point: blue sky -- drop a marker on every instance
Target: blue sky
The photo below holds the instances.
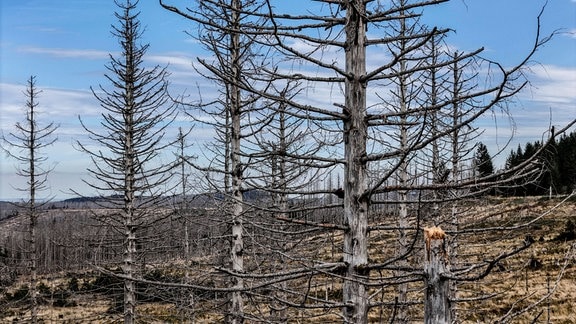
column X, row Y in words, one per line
column 65, row 43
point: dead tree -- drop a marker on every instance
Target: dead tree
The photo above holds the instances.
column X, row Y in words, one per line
column 126, row 173
column 234, row 116
column 436, row 266
column 26, row 145
column 184, row 215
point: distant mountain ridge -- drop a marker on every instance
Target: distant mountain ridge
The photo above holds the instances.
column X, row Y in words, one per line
column 10, row 209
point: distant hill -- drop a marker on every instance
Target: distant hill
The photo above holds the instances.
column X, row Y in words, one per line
column 8, row 210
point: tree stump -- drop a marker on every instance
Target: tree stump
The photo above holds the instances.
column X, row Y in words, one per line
column 436, row 265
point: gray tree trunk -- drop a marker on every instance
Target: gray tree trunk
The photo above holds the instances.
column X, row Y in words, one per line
column 32, row 207
column 437, row 308
column 456, row 172
column 279, row 177
column 130, row 252
column 129, row 205
column 403, row 174
column 356, row 177
column 403, row 221
column 184, row 213
column 236, row 250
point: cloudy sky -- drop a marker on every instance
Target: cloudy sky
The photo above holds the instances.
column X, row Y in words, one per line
column 66, row 43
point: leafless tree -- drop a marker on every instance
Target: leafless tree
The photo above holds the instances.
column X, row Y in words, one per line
column 26, row 145
column 234, row 116
column 183, row 201
column 126, row 170
column 184, row 215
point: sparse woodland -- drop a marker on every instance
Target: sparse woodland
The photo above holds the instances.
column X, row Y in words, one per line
column 380, row 206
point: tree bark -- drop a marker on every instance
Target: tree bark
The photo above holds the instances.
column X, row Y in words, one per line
column 237, row 247
column 129, row 176
column 356, row 178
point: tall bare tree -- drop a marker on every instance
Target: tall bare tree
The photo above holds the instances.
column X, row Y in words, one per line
column 126, row 170
column 26, row 145
column 234, row 115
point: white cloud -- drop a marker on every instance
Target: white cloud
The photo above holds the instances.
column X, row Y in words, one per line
column 90, row 54
column 549, row 100
column 172, row 59
column 552, row 89
column 58, row 105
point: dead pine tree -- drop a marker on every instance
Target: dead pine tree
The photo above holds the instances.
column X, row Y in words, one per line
column 234, row 117
column 127, row 175
column 184, row 215
column 25, row 145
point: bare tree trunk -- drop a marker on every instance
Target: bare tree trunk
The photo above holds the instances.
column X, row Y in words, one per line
column 129, row 201
column 279, row 182
column 129, row 287
column 184, row 200
column 237, row 305
column 437, row 308
column 32, row 209
column 403, row 221
column 456, row 171
column 184, row 214
column 356, row 177
column 33, row 290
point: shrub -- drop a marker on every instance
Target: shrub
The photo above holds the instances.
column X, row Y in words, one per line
column 19, row 295
column 106, row 284
column 61, row 297
column 569, row 232
column 73, row 284
column 43, row 289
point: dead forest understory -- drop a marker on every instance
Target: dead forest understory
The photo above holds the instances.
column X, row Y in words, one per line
column 77, row 267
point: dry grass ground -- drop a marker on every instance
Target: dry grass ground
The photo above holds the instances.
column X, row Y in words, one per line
column 540, row 280
column 538, row 283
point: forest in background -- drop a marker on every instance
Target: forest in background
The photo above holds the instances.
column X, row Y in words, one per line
column 558, row 174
